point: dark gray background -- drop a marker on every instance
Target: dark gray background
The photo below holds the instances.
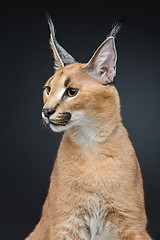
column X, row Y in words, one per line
column 28, row 149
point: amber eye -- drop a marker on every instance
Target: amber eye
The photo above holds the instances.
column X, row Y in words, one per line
column 48, row 89
column 71, row 92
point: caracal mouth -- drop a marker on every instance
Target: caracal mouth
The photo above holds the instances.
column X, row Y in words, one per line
column 57, row 124
column 60, row 127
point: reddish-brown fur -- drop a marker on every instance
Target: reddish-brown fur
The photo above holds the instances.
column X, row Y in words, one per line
column 96, row 189
column 92, row 174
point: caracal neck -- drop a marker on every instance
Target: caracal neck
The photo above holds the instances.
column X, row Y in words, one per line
column 89, row 141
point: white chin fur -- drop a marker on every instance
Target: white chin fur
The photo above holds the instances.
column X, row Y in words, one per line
column 60, row 128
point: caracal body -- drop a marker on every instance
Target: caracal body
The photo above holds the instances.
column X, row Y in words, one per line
column 96, row 190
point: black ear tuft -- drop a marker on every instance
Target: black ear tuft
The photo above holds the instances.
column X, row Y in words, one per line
column 117, row 27
column 51, row 26
column 62, row 57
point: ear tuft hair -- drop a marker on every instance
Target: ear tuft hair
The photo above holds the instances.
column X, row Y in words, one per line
column 117, row 27
column 51, row 26
column 62, row 57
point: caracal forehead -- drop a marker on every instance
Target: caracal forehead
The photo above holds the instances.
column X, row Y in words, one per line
column 72, row 72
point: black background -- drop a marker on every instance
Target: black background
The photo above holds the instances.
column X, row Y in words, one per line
column 27, row 148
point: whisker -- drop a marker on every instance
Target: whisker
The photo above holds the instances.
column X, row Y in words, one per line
column 43, row 124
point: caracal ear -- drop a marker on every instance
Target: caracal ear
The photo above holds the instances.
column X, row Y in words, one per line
column 102, row 65
column 61, row 56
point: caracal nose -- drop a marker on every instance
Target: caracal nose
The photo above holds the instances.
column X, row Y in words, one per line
column 48, row 111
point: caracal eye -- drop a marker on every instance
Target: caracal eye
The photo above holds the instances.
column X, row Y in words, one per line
column 48, row 89
column 71, row 92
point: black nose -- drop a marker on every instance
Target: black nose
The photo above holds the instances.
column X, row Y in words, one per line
column 48, row 111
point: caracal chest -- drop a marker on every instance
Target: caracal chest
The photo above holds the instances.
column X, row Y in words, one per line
column 94, row 223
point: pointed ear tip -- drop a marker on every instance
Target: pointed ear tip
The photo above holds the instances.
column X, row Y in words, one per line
column 47, row 15
column 50, row 23
column 112, row 38
column 49, row 19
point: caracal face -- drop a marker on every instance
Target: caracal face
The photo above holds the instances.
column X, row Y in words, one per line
column 72, row 98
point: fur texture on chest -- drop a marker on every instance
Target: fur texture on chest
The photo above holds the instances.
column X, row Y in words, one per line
column 94, row 222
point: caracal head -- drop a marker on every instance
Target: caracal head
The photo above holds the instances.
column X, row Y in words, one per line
column 82, row 96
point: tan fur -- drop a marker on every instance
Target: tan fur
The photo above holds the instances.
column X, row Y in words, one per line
column 96, row 184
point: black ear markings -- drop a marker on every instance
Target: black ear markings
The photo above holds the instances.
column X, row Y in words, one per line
column 61, row 56
column 117, row 26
